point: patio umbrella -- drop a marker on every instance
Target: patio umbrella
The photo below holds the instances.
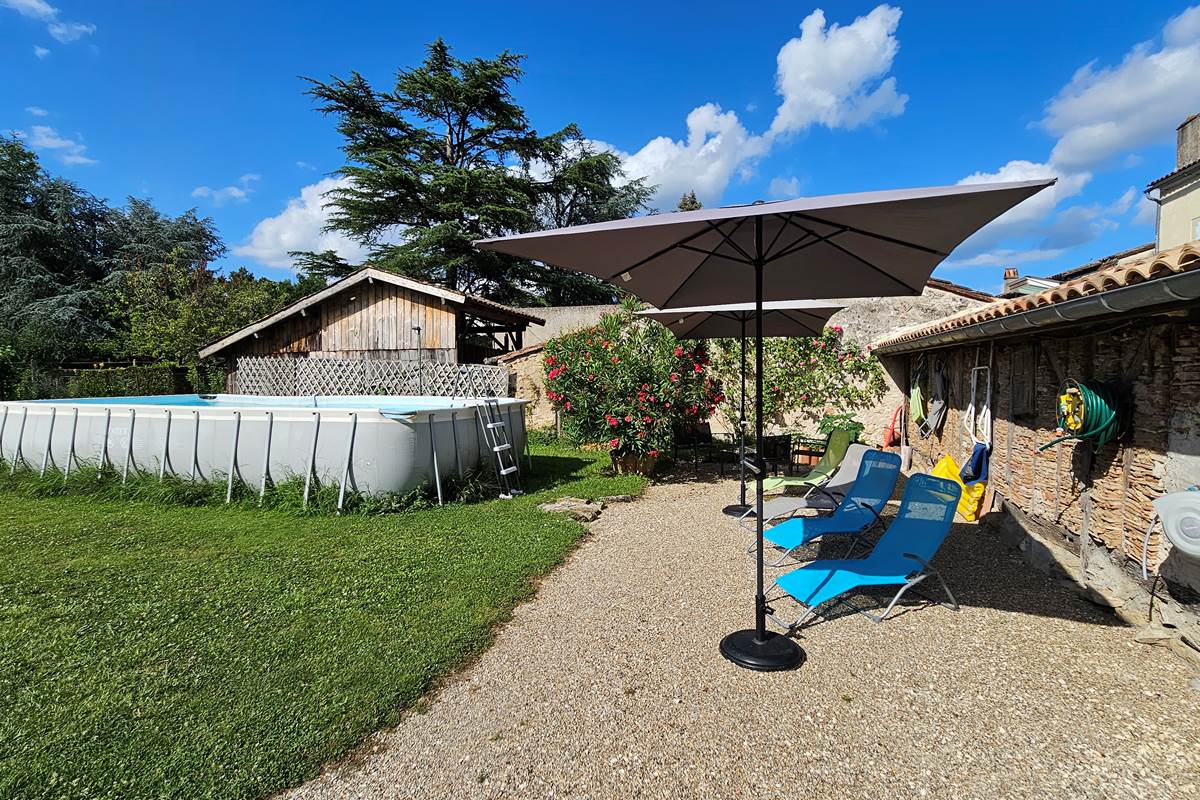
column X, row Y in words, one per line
column 850, row 245
column 793, row 318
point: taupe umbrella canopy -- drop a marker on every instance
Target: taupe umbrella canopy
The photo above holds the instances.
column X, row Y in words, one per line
column 850, row 245
column 729, row 321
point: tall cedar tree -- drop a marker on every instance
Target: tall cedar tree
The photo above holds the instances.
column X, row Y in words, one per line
column 448, row 157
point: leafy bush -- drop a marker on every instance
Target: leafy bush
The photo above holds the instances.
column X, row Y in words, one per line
column 846, row 422
column 126, row 381
column 628, row 382
column 803, row 374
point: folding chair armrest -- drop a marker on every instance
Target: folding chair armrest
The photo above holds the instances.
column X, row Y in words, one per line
column 924, row 564
column 874, row 513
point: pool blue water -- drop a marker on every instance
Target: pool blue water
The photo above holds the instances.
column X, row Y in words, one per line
column 393, row 404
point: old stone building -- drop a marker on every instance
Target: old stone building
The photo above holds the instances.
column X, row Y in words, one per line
column 1135, row 326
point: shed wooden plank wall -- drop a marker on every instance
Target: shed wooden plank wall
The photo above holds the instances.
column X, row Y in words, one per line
column 374, row 320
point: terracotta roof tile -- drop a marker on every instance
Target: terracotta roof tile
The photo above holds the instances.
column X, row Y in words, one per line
column 1158, row 265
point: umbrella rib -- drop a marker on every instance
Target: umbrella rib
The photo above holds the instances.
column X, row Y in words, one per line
column 695, row 325
column 871, row 234
column 802, row 242
column 731, row 242
column 828, row 239
column 710, row 253
column 663, row 251
column 683, row 282
column 778, row 233
column 867, row 263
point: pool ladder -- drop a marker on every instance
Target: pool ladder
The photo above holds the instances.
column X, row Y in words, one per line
column 495, row 429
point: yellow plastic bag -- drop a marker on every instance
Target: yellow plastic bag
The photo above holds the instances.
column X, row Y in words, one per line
column 972, row 496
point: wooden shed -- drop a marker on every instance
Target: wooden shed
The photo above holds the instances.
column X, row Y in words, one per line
column 373, row 314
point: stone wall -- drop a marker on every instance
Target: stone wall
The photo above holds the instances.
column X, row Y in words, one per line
column 1098, row 503
column 530, row 384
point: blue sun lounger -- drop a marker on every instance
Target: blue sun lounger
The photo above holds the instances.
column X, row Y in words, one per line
column 856, row 513
column 900, row 558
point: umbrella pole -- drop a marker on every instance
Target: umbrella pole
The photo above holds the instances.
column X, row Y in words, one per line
column 757, row 648
column 739, row 508
column 742, row 416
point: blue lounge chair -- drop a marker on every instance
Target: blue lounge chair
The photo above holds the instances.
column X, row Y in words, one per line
column 900, row 558
column 858, row 510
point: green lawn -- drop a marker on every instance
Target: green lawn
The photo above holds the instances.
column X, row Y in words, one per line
column 153, row 650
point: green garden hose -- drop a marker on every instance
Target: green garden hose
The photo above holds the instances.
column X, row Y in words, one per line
column 1086, row 411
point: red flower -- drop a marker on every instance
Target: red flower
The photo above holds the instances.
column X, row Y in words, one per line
column 697, row 368
column 615, row 359
column 614, row 443
column 611, row 420
column 652, row 453
column 678, row 351
column 645, row 386
column 567, row 405
column 550, row 360
column 628, row 418
column 674, row 377
column 645, row 419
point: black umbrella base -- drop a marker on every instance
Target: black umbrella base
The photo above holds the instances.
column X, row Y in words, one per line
column 737, row 510
column 772, row 653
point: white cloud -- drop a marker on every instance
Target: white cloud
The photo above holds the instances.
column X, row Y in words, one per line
column 70, row 151
column 1006, row 257
column 64, row 31
column 1031, row 215
column 36, row 111
column 67, row 32
column 305, row 165
column 34, row 9
column 1146, row 214
column 239, row 192
column 1103, row 112
column 716, row 146
column 835, row 76
column 299, row 227
column 782, row 188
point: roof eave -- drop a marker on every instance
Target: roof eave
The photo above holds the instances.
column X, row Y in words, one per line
column 1153, row 296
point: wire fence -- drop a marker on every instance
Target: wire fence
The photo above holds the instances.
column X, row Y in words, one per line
column 272, row 375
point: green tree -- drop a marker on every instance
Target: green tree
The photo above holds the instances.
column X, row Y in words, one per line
column 689, row 202
column 176, row 307
column 325, row 266
column 447, row 157
column 578, row 184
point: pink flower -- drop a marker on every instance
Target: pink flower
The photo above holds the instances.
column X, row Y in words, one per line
column 567, row 405
column 678, row 351
column 652, row 453
column 698, row 368
column 628, row 418
column 613, row 443
column 674, row 377
column 645, row 419
column 615, row 359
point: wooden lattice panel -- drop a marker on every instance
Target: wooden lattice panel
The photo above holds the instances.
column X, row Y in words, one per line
column 271, row 375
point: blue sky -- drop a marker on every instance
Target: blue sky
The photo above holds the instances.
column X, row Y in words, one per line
column 202, row 105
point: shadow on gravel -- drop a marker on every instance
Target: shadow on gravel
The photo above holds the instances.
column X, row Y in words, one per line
column 980, row 569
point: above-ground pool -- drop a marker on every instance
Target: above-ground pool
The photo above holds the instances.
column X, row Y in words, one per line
column 362, row 443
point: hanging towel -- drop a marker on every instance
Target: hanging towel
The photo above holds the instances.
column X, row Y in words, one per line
column 937, row 406
column 976, row 468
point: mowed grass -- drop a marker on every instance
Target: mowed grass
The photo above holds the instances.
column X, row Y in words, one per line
column 151, row 650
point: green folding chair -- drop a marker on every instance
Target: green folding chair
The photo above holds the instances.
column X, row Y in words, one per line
column 835, row 450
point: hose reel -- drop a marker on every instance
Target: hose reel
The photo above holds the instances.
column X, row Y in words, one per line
column 1087, row 410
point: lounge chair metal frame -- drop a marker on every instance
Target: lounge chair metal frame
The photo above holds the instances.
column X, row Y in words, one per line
column 914, row 580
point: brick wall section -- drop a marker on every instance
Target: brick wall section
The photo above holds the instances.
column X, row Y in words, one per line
column 1162, row 362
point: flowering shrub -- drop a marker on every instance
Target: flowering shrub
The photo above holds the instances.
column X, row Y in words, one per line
column 810, row 375
column 628, row 383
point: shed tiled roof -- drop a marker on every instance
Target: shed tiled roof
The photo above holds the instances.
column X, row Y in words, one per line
column 1158, row 265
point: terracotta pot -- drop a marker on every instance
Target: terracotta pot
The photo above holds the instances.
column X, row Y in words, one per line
column 634, row 463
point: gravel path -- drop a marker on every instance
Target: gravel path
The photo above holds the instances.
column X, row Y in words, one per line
column 608, row 684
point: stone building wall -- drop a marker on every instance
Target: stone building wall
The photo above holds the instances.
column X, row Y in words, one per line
column 1096, row 504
